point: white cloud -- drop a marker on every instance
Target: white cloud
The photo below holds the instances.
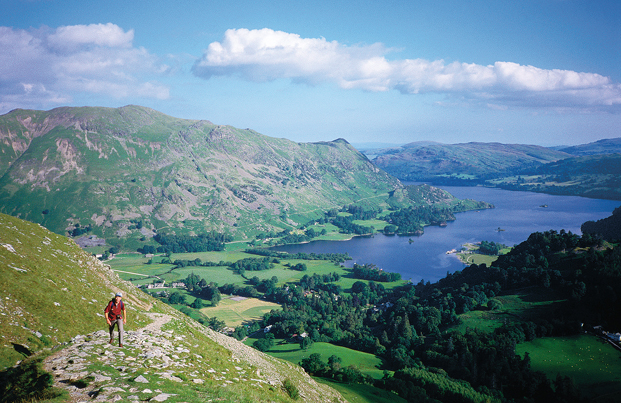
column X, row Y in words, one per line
column 107, row 35
column 265, row 55
column 49, row 66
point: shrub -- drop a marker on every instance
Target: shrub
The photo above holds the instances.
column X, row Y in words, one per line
column 291, row 389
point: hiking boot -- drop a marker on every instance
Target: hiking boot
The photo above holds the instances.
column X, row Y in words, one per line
column 110, row 342
column 120, row 345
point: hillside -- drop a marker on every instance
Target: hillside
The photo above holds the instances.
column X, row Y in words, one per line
column 609, row 228
column 130, row 171
column 430, row 160
column 52, row 312
column 596, row 176
column 604, row 146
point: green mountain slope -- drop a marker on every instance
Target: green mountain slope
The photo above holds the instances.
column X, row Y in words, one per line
column 596, row 176
column 133, row 170
column 53, row 296
column 429, row 160
column 604, row 146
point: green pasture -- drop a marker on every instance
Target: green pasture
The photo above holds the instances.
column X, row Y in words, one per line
column 528, row 303
column 476, row 258
column 134, row 267
column 218, row 274
column 357, row 393
column 377, row 224
column 368, row 364
column 129, row 261
column 593, row 364
column 472, row 257
column 238, row 312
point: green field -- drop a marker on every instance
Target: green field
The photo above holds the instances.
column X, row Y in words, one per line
column 526, row 304
column 357, row 393
column 593, row 364
column 471, row 256
column 368, row 364
column 236, row 312
column 476, row 258
column 134, row 267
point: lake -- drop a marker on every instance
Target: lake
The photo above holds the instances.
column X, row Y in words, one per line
column 518, row 213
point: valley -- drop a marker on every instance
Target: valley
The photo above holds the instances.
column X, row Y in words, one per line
column 241, row 241
column 529, row 305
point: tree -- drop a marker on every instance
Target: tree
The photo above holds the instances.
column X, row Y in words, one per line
column 265, row 343
column 176, row 298
column 313, row 364
column 306, row 343
column 215, row 297
column 390, row 229
column 198, row 303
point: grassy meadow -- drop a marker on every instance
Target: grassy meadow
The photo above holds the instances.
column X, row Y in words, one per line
column 593, row 364
column 357, row 393
column 134, row 267
column 368, row 364
column 528, row 303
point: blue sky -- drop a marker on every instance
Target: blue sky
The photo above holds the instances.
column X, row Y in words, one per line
column 542, row 72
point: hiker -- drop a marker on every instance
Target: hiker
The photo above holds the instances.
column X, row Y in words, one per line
column 115, row 314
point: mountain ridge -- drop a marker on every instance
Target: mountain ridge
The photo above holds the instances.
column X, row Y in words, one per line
column 427, row 159
column 106, row 167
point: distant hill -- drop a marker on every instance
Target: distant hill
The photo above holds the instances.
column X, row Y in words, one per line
column 430, row 160
column 604, row 146
column 595, row 176
column 51, row 311
column 127, row 172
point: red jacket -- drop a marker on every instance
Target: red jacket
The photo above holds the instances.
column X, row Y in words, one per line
column 114, row 311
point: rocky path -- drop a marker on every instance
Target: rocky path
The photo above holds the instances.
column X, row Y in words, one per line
column 69, row 365
column 154, row 364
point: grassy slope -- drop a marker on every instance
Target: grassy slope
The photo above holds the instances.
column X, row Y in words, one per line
column 52, row 287
column 592, row 363
column 595, row 176
column 53, row 291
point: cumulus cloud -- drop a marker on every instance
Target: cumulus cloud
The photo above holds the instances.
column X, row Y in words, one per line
column 48, row 66
column 265, row 55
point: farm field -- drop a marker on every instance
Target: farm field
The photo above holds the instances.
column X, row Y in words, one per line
column 237, row 311
column 134, row 267
column 368, row 364
column 593, row 364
